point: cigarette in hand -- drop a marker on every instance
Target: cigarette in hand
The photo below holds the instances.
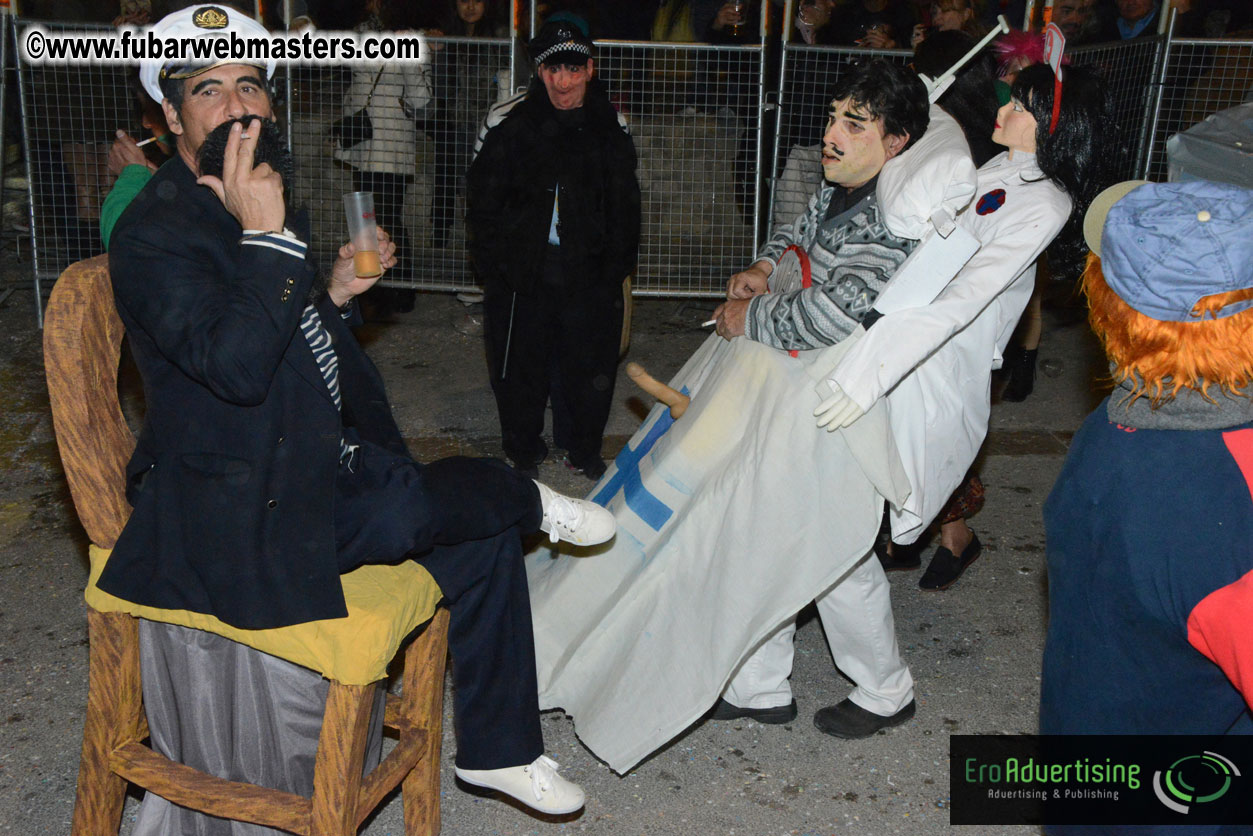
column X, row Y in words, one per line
column 710, row 322
column 144, row 142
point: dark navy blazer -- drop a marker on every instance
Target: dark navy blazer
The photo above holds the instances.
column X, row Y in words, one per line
column 233, row 478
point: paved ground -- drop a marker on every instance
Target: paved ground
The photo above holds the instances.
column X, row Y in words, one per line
column 974, row 650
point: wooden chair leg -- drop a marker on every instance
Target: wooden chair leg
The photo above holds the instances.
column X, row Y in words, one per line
column 341, row 753
column 114, row 716
column 423, row 705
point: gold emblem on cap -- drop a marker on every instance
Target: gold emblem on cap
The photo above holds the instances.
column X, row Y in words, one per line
column 1203, row 216
column 210, row 17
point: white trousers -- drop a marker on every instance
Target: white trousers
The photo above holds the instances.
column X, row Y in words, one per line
column 857, row 617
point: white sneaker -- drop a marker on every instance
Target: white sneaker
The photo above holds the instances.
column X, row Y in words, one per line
column 576, row 521
column 537, row 785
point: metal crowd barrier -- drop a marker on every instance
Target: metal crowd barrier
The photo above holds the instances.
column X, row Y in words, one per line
column 695, row 114
column 414, row 164
column 1128, row 69
column 1200, row 77
column 693, row 109
column 69, row 116
column 700, row 115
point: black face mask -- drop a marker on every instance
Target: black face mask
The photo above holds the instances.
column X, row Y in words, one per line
column 271, row 148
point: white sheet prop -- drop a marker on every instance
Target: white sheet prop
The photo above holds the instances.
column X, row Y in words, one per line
column 729, row 520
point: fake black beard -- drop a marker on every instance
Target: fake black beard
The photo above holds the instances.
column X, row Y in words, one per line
column 271, row 149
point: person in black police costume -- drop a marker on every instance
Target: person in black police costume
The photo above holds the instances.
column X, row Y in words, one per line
column 554, row 218
column 269, row 462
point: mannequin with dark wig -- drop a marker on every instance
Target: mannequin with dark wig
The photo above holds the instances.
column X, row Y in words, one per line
column 1078, row 160
column 1054, row 174
column 1077, row 155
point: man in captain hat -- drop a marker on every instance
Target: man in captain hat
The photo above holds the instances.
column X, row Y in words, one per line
column 269, row 462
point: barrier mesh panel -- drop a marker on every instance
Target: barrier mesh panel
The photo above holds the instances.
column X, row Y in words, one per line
column 423, row 123
column 693, row 114
column 1202, row 77
column 693, row 111
column 69, row 117
column 1128, row 72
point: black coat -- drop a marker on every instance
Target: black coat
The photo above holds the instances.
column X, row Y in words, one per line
column 512, row 181
column 232, row 481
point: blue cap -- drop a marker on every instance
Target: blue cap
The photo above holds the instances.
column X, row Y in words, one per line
column 1165, row 246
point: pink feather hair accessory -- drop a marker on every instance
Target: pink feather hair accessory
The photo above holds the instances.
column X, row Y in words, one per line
column 1020, row 49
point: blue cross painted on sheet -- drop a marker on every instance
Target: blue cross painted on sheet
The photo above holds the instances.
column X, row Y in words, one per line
column 647, row 507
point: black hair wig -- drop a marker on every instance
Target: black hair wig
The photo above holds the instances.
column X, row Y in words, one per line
column 1078, row 155
column 971, row 99
column 889, row 92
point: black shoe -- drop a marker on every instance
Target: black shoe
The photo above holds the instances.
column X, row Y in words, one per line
column 852, row 722
column 900, row 559
column 1021, row 367
column 945, row 567
column 593, row 469
column 775, row 715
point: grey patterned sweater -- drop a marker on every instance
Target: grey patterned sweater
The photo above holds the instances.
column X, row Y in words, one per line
column 852, row 255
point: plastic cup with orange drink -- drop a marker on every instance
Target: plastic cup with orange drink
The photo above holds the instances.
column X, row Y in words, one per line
column 363, row 232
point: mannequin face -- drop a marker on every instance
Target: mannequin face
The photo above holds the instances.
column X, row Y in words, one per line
column 1015, row 128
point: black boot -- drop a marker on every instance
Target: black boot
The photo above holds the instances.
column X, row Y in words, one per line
column 1020, row 363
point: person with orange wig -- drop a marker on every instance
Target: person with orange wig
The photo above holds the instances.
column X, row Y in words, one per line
column 1150, row 524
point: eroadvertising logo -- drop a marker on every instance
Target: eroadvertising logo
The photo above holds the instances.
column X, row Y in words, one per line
column 1194, row 779
column 1099, row 779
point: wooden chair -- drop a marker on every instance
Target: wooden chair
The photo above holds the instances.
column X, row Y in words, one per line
column 82, row 343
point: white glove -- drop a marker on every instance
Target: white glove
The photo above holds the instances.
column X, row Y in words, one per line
column 837, row 411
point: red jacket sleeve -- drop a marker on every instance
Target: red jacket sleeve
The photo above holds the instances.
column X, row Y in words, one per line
column 1219, row 627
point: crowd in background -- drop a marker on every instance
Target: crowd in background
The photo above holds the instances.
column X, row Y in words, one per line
column 879, row 24
column 436, row 116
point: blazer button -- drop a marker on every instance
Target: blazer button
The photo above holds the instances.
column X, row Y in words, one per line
column 291, row 282
column 273, row 503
